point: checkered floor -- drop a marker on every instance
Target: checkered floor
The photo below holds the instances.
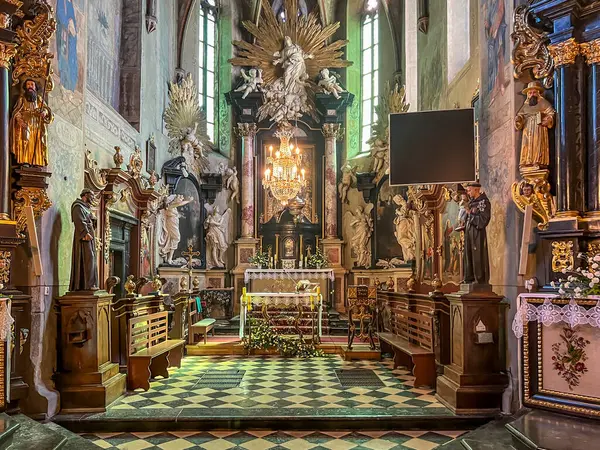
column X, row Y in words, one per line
column 274, row 382
column 275, row 440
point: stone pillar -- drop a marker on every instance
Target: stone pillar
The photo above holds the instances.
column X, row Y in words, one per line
column 331, row 131
column 591, row 51
column 7, row 52
column 569, row 136
column 247, row 131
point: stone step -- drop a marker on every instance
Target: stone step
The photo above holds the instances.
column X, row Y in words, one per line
column 74, row 441
column 33, row 435
column 9, row 427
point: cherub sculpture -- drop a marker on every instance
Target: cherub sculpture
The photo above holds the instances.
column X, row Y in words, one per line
column 231, row 181
column 348, row 179
column 379, row 152
column 329, row 84
column 252, row 82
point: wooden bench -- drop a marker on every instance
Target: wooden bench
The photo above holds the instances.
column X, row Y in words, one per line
column 151, row 352
column 197, row 324
column 412, row 345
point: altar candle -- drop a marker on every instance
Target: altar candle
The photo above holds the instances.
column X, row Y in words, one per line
column 301, row 246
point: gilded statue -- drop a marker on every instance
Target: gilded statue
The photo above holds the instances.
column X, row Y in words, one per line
column 29, row 127
column 535, row 117
column 535, row 192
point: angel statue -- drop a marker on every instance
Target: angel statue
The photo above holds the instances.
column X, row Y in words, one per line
column 216, row 235
column 362, row 224
column 168, row 225
column 186, row 124
column 329, row 84
column 405, row 229
column 252, row 82
column 231, row 181
column 348, row 179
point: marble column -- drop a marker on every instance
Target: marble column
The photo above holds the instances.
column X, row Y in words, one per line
column 331, row 131
column 569, row 137
column 247, row 131
column 7, row 52
column 591, row 51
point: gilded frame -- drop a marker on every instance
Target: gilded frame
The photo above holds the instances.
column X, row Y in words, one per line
column 534, row 394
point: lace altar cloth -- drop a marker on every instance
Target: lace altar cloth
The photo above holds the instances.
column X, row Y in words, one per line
column 288, row 274
column 549, row 313
column 6, row 320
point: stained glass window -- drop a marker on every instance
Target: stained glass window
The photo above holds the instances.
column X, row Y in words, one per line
column 369, row 70
column 207, row 57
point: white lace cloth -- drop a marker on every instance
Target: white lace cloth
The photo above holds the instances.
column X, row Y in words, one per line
column 288, row 274
column 6, row 320
column 549, row 313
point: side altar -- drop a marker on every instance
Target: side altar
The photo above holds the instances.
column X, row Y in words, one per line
column 284, row 280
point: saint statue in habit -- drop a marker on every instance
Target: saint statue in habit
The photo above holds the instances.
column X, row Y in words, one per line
column 479, row 213
column 28, row 127
column 84, row 270
column 535, row 117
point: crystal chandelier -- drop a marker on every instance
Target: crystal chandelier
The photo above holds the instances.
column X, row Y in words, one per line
column 283, row 175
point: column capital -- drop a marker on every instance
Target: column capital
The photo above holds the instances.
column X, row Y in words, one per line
column 565, row 52
column 246, row 129
column 591, row 51
column 331, row 130
column 7, row 52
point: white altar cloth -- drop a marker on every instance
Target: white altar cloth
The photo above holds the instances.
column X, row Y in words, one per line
column 288, row 274
column 280, row 298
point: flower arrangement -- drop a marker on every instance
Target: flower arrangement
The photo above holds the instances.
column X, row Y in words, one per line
column 583, row 281
column 317, row 260
column 263, row 337
column 260, row 259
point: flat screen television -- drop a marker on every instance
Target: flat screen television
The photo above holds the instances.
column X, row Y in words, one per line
column 432, row 147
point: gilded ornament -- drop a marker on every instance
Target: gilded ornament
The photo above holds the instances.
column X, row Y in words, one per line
column 5, row 260
column 331, row 130
column 94, row 175
column 183, row 284
column 436, row 284
column 196, row 283
column 136, row 163
column 565, row 52
column 29, row 196
column 593, row 249
column 246, row 129
column 563, row 257
column 4, row 20
column 591, row 51
column 130, row 285
column 530, row 52
column 156, row 284
column 118, row 157
column 7, row 52
column 534, row 190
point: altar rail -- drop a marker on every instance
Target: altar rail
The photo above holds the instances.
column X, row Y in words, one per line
column 435, row 305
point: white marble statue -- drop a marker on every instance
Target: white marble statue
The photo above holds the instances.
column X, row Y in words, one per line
column 287, row 98
column 329, row 84
column 190, row 140
column 405, row 229
column 216, row 226
column 348, row 179
column 232, row 183
column 362, row 224
column 252, row 81
column 168, row 226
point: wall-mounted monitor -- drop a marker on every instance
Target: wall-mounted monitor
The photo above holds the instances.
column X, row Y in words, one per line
column 432, row 147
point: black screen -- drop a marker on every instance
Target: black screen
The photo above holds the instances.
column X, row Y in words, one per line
column 432, row 147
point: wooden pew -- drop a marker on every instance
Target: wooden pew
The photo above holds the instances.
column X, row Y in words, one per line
column 412, row 345
column 197, row 324
column 151, row 352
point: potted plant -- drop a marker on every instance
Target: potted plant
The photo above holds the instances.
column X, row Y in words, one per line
column 318, row 260
column 259, row 260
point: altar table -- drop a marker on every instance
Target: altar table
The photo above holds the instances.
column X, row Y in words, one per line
column 259, row 299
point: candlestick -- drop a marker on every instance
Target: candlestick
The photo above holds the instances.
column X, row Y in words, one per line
column 301, row 246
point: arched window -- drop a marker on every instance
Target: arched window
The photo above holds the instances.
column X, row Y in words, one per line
column 459, row 47
column 207, row 61
column 410, row 53
column 369, row 70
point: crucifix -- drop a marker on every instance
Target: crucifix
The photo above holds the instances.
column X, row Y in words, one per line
column 190, row 264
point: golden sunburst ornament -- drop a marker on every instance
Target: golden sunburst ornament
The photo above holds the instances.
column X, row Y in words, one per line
column 271, row 39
